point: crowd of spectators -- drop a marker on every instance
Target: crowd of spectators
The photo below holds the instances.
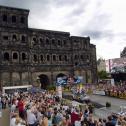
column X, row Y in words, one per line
column 117, row 90
column 46, row 109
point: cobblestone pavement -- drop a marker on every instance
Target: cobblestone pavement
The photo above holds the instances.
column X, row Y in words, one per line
column 115, row 102
column 104, row 112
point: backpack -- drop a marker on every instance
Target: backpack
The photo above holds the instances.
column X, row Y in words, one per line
column 54, row 120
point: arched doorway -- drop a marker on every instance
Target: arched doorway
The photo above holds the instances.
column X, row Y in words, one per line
column 60, row 75
column 44, row 80
column 61, row 79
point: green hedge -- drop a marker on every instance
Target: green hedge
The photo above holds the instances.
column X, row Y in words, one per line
column 51, row 87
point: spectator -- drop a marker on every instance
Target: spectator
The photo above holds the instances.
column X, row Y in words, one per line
column 109, row 122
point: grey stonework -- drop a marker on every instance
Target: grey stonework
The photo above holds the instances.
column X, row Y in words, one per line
column 27, row 53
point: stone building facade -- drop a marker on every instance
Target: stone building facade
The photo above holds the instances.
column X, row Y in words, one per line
column 28, row 54
column 101, row 65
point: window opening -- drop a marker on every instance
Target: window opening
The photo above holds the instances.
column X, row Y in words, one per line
column 13, row 19
column 6, row 56
column 23, row 56
column 15, row 56
column 5, row 18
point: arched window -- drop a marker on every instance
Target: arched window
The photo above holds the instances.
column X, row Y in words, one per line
column 4, row 18
column 54, row 57
column 48, row 57
column 85, row 45
column 82, row 57
column 59, row 43
column 88, row 57
column 60, row 58
column 47, row 41
column 34, row 39
column 23, row 38
column 23, row 56
column 76, row 64
column 15, row 56
column 53, row 42
column 65, row 57
column 41, row 41
column 14, row 37
column 6, row 56
column 41, row 57
column 35, row 42
column 22, row 20
column 76, row 57
column 13, row 19
column 35, row 57
column 5, row 37
column 64, row 42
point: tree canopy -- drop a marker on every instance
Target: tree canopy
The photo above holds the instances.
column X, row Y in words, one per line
column 102, row 74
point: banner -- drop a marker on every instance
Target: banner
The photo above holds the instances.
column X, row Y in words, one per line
column 69, row 80
column 61, row 81
column 59, row 91
column 99, row 92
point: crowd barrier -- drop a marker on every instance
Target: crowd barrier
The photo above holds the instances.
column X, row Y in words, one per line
column 121, row 95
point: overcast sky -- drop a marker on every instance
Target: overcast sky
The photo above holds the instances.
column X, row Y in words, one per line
column 103, row 20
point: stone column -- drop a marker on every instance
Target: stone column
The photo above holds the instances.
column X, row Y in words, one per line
column 20, row 74
column 11, row 82
column 51, row 78
column 30, row 78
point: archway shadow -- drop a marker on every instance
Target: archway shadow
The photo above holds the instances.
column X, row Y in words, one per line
column 60, row 75
column 44, row 80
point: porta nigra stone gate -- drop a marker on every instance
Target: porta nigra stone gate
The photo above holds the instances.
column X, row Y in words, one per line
column 27, row 54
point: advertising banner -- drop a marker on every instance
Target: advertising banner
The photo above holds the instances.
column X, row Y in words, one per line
column 59, row 91
column 96, row 92
column 61, row 81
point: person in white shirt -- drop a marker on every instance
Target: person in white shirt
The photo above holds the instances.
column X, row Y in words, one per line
column 31, row 118
column 12, row 121
column 39, row 115
column 16, row 121
column 13, row 108
column 77, row 123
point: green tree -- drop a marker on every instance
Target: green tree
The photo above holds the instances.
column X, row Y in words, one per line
column 102, row 74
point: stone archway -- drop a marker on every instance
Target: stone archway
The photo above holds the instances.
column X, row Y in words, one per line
column 60, row 75
column 44, row 80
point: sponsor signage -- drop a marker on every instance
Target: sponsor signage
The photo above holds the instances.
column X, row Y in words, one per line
column 98, row 92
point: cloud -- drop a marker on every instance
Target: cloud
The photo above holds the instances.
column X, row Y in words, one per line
column 60, row 3
column 41, row 7
column 102, row 20
column 98, row 34
column 24, row 3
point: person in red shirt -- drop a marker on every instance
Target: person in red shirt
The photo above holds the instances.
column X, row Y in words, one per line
column 21, row 108
column 75, row 117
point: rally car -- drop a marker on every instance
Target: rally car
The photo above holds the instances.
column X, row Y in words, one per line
column 83, row 98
